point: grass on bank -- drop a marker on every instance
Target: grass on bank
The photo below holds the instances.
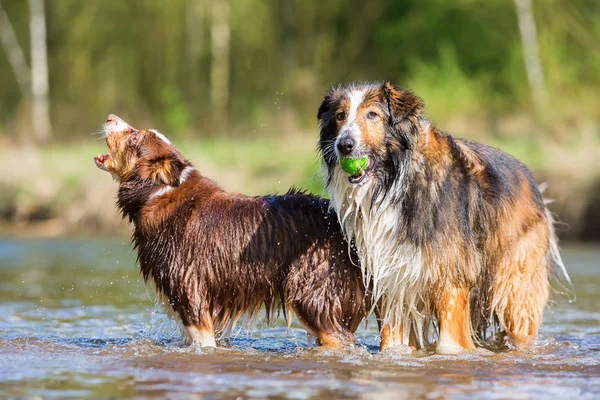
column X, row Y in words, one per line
column 59, row 189
column 60, row 183
column 249, row 165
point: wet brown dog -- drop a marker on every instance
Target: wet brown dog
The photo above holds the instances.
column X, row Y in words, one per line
column 214, row 256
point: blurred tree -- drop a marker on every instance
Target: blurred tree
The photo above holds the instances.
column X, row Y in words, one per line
column 535, row 73
column 15, row 55
column 219, row 72
column 195, row 11
column 263, row 65
column 39, row 71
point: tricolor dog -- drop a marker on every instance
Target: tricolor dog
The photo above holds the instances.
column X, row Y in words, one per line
column 448, row 231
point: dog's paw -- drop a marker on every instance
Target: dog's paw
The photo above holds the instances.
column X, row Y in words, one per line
column 448, row 347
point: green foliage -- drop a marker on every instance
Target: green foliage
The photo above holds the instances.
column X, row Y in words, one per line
column 447, row 88
column 150, row 60
column 258, row 166
column 176, row 114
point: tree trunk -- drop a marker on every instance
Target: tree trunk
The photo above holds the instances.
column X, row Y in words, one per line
column 39, row 71
column 533, row 64
column 219, row 74
column 194, row 15
column 15, row 55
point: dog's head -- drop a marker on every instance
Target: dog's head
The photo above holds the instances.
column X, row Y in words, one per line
column 374, row 120
column 139, row 154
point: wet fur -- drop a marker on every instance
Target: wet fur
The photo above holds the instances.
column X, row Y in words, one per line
column 439, row 222
column 215, row 255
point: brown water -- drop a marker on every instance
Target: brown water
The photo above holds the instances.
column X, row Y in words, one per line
column 76, row 321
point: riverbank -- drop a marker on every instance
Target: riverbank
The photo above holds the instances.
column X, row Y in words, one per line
column 58, row 191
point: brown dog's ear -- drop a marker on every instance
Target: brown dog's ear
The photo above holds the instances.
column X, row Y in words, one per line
column 134, row 137
column 167, row 172
column 163, row 170
column 401, row 103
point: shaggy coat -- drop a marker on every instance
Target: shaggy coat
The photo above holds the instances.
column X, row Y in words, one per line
column 448, row 231
column 214, row 256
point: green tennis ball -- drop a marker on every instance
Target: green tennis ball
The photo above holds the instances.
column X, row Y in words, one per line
column 354, row 166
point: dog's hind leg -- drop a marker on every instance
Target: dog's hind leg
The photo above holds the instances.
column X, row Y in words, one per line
column 452, row 308
column 521, row 287
column 336, row 339
column 325, row 327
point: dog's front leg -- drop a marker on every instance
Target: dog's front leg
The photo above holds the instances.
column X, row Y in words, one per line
column 392, row 334
column 452, row 308
column 203, row 333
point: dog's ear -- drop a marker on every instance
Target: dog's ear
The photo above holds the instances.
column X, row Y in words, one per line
column 168, row 172
column 135, row 138
column 328, row 105
column 401, row 103
column 164, row 170
column 324, row 108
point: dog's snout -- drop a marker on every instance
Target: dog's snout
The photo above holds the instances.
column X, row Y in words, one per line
column 115, row 124
column 346, row 145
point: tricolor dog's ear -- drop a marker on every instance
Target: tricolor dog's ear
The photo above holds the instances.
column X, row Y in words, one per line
column 329, row 105
column 325, row 106
column 401, row 103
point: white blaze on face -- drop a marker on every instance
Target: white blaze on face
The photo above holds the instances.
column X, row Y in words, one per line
column 350, row 128
column 160, row 136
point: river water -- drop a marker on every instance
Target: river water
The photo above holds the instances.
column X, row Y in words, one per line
column 76, row 321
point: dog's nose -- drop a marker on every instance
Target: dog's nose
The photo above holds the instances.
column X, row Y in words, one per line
column 346, row 145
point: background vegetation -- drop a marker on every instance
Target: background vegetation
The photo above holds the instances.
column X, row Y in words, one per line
column 235, row 78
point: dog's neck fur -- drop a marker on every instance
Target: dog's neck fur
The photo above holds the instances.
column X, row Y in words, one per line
column 134, row 194
column 391, row 264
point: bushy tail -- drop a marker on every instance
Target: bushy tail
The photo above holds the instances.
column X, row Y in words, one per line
column 554, row 250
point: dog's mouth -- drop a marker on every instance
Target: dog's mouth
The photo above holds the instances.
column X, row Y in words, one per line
column 362, row 175
column 101, row 160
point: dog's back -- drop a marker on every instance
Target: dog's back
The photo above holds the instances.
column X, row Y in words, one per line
column 219, row 255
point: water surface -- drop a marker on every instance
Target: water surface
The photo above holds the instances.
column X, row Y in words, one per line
column 76, row 321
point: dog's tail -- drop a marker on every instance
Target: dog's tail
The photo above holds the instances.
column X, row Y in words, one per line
column 555, row 257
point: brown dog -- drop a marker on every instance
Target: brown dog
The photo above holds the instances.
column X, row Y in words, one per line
column 214, row 255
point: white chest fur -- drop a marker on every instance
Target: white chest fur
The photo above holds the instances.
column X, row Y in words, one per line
column 393, row 267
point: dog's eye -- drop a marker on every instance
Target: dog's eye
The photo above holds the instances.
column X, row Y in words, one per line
column 372, row 115
column 341, row 116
